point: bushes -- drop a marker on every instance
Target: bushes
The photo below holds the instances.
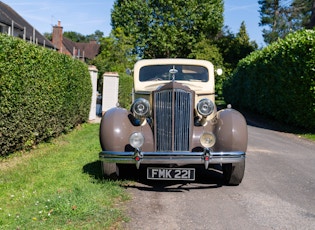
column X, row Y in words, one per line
column 125, row 90
column 278, row 81
column 42, row 94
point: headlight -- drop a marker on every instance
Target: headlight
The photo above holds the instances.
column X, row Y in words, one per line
column 207, row 140
column 136, row 140
column 205, row 107
column 140, row 107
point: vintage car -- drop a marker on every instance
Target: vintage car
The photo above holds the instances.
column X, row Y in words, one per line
column 173, row 125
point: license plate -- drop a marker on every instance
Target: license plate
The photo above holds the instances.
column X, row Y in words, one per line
column 171, row 173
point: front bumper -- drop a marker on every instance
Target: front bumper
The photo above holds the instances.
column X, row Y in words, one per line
column 178, row 158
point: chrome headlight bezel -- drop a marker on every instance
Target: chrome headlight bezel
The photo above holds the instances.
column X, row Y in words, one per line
column 205, row 107
column 140, row 108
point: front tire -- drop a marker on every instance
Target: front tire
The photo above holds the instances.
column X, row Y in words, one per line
column 233, row 173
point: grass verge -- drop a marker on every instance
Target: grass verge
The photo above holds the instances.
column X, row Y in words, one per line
column 58, row 186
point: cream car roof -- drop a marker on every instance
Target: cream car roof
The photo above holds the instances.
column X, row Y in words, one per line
column 198, row 87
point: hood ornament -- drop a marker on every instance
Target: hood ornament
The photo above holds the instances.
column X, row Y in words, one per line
column 173, row 71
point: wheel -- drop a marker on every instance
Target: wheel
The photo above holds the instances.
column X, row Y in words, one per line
column 233, row 173
column 109, row 170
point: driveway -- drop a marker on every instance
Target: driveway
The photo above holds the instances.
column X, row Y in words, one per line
column 277, row 192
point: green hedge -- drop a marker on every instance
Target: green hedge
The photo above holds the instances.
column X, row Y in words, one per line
column 278, row 81
column 125, row 90
column 42, row 94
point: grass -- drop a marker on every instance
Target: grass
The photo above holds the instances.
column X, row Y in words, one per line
column 58, row 186
column 310, row 136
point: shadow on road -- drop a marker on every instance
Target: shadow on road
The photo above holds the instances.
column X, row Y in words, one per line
column 260, row 121
column 205, row 179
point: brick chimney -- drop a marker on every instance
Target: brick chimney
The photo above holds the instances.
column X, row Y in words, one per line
column 57, row 36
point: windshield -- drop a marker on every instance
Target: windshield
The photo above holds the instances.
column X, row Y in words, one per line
column 173, row 72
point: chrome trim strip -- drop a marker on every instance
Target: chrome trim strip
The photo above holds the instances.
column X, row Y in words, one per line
column 180, row 158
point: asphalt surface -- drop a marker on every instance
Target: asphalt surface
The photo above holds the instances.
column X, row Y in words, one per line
column 277, row 192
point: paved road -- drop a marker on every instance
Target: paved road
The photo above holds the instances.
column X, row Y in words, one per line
column 278, row 192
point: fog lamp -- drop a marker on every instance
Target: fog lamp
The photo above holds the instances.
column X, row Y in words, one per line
column 207, row 140
column 205, row 107
column 136, row 140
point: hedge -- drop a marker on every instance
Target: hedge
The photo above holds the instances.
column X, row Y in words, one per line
column 278, row 81
column 125, row 90
column 42, row 94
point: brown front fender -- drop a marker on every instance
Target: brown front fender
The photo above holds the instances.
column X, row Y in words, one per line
column 231, row 131
column 116, row 128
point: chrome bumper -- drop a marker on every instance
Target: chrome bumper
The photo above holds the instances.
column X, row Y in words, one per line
column 178, row 158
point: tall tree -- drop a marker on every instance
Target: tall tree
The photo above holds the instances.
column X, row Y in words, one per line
column 303, row 12
column 243, row 44
column 275, row 14
column 164, row 28
column 234, row 47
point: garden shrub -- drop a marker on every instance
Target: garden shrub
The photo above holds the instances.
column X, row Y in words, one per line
column 278, row 81
column 125, row 90
column 42, row 94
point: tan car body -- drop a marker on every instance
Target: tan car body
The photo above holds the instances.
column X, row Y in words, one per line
column 228, row 127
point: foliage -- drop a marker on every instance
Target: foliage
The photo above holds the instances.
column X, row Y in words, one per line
column 125, row 90
column 59, row 186
column 303, row 13
column 234, row 47
column 74, row 36
column 278, row 80
column 275, row 16
column 116, row 53
column 283, row 17
column 77, row 37
column 42, row 94
column 167, row 28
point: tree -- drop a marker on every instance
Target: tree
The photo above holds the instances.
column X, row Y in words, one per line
column 234, row 47
column 242, row 44
column 115, row 53
column 167, row 28
column 97, row 36
column 74, row 36
column 303, row 11
column 286, row 16
column 275, row 14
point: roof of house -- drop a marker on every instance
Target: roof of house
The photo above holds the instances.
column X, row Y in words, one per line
column 87, row 50
column 7, row 15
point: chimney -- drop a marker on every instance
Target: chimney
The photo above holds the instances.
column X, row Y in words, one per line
column 57, row 36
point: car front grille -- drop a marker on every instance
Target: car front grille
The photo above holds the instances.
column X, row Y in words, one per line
column 172, row 119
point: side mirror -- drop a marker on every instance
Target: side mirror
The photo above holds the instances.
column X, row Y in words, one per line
column 219, row 72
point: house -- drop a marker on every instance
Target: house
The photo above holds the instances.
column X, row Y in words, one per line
column 13, row 24
column 79, row 50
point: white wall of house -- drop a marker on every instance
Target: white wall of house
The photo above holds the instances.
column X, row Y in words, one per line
column 110, row 91
column 93, row 73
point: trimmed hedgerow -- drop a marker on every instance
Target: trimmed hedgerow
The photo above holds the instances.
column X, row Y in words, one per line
column 42, row 94
column 278, row 81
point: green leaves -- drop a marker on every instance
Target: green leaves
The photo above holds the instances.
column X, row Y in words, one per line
column 42, row 94
column 167, row 28
column 278, row 80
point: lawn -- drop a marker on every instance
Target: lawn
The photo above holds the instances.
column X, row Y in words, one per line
column 58, row 185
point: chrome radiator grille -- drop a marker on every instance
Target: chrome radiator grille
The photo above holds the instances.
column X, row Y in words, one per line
column 172, row 119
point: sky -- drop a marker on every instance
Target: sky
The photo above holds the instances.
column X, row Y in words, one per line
column 87, row 16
